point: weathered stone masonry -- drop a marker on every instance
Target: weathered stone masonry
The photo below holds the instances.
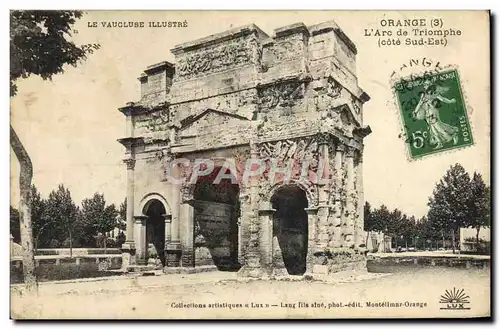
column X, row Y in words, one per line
column 241, row 94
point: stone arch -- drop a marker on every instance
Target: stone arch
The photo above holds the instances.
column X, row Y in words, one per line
column 149, row 198
column 311, row 191
column 188, row 189
column 290, row 230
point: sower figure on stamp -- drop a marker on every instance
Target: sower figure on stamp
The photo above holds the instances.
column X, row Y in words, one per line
column 428, row 109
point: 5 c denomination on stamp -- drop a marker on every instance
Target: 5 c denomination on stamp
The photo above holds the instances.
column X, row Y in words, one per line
column 433, row 112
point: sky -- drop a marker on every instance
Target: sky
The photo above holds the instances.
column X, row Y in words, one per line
column 70, row 125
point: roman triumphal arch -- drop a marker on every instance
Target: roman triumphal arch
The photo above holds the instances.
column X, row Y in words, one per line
column 246, row 155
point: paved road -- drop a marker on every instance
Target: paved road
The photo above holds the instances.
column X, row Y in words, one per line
column 220, row 295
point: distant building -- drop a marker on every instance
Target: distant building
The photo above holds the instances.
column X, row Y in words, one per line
column 378, row 242
column 468, row 237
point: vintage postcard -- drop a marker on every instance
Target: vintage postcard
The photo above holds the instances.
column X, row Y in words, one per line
column 250, row 164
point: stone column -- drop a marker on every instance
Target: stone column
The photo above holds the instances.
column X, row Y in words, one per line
column 140, row 240
column 312, row 230
column 168, row 228
column 322, row 184
column 253, row 260
column 336, row 241
column 243, row 226
column 360, row 233
column 349, row 225
column 128, row 248
column 173, row 247
column 186, row 218
column 266, row 235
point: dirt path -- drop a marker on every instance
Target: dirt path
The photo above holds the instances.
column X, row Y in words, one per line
column 220, row 295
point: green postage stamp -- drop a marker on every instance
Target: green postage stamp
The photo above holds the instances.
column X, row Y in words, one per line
column 433, row 112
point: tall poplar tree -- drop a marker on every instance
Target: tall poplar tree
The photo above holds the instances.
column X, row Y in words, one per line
column 40, row 44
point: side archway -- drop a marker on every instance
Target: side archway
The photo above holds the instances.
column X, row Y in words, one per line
column 155, row 208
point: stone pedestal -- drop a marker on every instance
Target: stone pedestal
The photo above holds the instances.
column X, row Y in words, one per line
column 266, row 235
column 128, row 254
column 253, row 266
column 312, row 221
column 140, row 240
column 186, row 219
column 173, row 254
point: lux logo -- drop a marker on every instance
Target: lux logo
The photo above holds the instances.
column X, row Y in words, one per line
column 455, row 300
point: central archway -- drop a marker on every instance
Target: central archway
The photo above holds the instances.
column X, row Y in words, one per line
column 155, row 228
column 290, row 226
column 217, row 210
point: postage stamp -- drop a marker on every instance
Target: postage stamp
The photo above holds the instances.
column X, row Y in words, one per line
column 433, row 112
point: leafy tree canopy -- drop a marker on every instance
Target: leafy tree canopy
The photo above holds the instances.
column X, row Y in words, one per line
column 97, row 216
column 40, row 44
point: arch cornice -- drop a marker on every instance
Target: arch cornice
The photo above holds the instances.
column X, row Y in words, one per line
column 311, row 191
column 148, row 198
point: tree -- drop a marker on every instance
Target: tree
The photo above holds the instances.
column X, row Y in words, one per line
column 375, row 219
column 40, row 45
column 368, row 221
column 62, row 211
column 98, row 217
column 122, row 216
column 449, row 204
column 40, row 226
column 393, row 225
column 479, row 205
column 15, row 229
column 379, row 218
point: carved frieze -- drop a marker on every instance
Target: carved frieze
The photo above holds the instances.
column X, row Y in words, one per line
column 356, row 104
column 300, row 149
column 285, row 94
column 286, row 50
column 216, row 59
column 325, row 90
column 255, row 52
column 152, row 122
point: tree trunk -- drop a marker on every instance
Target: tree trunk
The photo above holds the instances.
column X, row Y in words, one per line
column 366, row 241
column 70, row 244
column 442, row 234
column 25, row 177
column 477, row 237
column 453, row 240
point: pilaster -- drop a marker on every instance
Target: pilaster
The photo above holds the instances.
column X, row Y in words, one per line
column 253, row 266
column 140, row 240
column 338, row 219
column 322, row 182
column 186, row 218
column 348, row 226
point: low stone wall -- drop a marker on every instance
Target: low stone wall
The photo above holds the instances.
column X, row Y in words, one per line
column 77, row 251
column 62, row 267
column 376, row 263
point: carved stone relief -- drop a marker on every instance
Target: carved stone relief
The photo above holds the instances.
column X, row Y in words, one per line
column 153, row 122
column 286, row 50
column 256, row 52
column 216, row 59
column 281, row 95
column 324, row 91
column 356, row 104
